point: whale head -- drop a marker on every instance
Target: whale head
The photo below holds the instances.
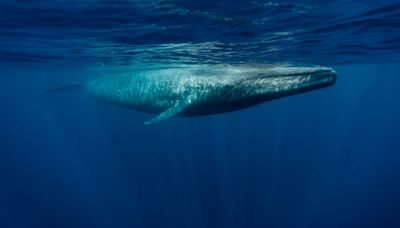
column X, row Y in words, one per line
column 276, row 82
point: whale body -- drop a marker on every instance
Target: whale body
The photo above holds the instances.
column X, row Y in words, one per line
column 203, row 89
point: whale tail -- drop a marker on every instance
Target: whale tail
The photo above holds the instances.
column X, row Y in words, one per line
column 65, row 87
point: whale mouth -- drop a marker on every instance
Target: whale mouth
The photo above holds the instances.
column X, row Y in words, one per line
column 323, row 77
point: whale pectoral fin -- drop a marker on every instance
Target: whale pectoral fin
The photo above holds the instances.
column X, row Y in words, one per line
column 169, row 113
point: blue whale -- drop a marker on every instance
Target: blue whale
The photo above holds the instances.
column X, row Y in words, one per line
column 203, row 89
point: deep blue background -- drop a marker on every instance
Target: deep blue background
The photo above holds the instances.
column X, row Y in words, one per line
column 328, row 158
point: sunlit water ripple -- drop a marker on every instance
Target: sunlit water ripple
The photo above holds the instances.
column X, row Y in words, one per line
column 146, row 32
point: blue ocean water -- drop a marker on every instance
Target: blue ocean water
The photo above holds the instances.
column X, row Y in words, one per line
column 328, row 158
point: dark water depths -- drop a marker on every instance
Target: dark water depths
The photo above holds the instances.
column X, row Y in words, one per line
column 329, row 158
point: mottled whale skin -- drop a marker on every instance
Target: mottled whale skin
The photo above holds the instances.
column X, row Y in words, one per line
column 205, row 89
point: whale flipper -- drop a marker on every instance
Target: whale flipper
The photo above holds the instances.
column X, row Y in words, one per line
column 169, row 113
